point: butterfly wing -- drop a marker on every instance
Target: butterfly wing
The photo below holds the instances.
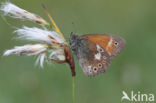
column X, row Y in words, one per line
column 92, row 58
column 95, row 51
column 112, row 44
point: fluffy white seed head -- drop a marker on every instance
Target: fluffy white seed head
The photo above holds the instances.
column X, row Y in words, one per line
column 57, row 54
column 33, row 34
column 40, row 59
column 37, row 49
column 27, row 50
column 36, row 34
column 17, row 12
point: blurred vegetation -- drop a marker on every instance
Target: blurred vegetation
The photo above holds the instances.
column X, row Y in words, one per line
column 134, row 69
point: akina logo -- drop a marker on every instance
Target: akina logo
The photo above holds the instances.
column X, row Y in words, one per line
column 138, row 97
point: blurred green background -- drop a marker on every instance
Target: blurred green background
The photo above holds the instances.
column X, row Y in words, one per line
column 134, row 69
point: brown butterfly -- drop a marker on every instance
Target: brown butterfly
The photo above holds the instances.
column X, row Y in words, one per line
column 95, row 51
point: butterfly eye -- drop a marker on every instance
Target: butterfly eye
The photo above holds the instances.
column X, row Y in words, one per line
column 100, row 65
column 116, row 43
column 70, row 43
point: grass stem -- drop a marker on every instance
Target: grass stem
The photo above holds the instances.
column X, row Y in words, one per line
column 73, row 90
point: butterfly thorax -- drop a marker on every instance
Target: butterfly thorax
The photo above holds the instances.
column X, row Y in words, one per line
column 79, row 46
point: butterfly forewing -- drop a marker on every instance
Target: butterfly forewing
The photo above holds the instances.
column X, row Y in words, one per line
column 112, row 44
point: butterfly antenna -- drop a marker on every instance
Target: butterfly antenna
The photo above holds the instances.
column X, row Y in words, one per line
column 52, row 20
column 73, row 25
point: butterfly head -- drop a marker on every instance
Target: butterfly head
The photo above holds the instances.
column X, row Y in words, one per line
column 74, row 39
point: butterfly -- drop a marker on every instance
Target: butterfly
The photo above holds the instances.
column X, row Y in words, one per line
column 95, row 51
